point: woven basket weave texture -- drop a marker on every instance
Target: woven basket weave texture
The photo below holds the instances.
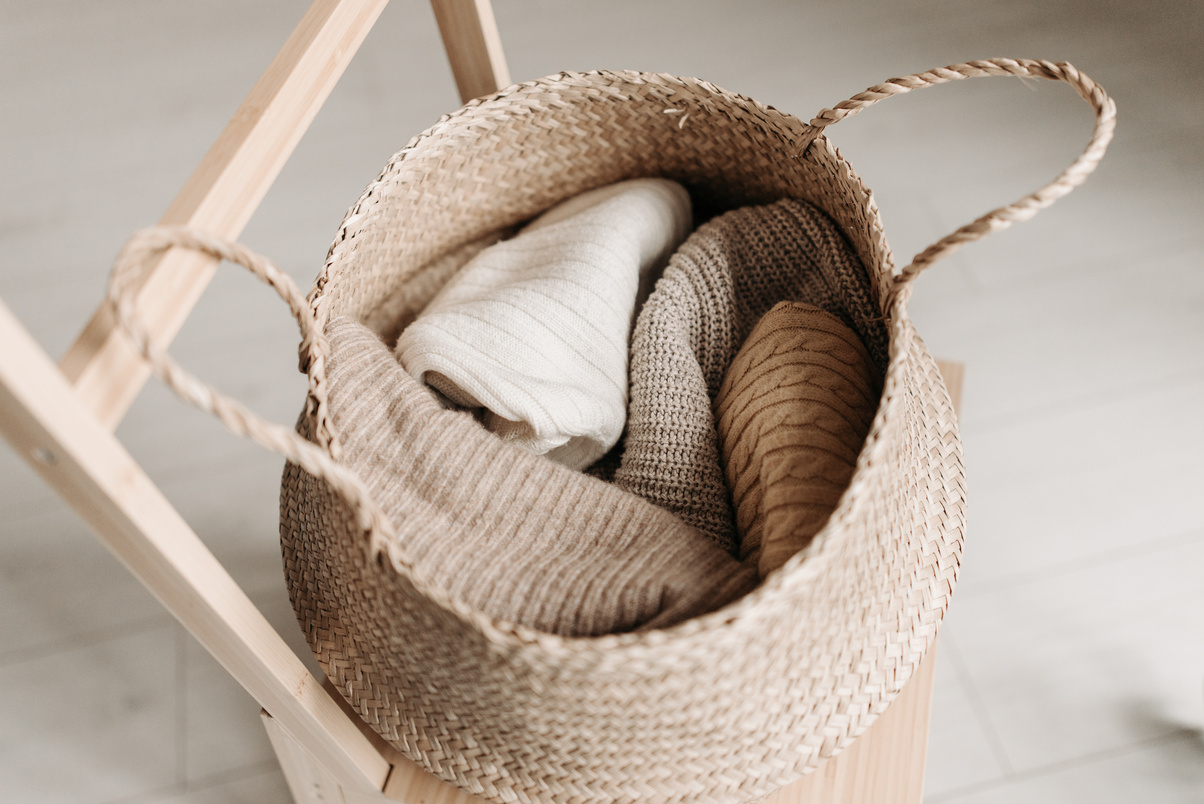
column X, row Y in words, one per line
column 726, row 707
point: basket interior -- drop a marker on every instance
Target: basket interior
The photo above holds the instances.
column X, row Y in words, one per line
column 498, row 162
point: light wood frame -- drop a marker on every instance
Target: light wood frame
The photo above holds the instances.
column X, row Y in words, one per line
column 61, row 419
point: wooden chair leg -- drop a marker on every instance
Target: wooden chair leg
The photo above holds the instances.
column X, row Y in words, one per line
column 473, row 46
column 886, row 764
column 308, row 780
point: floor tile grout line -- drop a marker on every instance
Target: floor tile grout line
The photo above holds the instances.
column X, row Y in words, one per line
column 1077, row 405
column 181, row 640
column 998, row 751
column 199, row 785
column 1103, row 559
column 259, row 596
column 161, row 478
column 1058, row 272
column 81, row 272
column 1164, row 140
column 1170, row 738
column 87, row 639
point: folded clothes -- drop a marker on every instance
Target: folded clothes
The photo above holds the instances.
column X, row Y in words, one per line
column 722, row 280
column 521, row 538
column 534, row 330
column 396, row 311
column 792, row 414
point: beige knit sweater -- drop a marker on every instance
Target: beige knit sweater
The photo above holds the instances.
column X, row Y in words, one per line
column 514, row 534
column 722, row 280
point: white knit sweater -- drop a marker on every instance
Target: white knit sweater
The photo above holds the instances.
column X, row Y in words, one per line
column 535, row 329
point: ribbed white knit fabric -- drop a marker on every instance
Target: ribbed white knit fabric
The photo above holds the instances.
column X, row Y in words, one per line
column 535, row 329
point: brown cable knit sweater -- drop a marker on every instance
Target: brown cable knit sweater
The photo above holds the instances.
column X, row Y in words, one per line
column 792, row 414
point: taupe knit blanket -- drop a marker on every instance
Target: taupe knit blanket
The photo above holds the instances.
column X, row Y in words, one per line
column 722, row 280
column 513, row 534
column 792, row 415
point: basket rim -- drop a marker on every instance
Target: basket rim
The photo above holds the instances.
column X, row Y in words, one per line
column 799, row 568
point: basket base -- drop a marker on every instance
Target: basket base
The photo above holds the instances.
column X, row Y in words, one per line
column 884, row 766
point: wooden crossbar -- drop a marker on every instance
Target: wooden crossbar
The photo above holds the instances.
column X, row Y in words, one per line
column 220, row 197
column 47, row 423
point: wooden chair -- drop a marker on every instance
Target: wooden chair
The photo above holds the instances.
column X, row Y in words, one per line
column 61, row 420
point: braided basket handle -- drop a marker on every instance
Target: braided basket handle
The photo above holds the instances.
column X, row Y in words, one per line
column 320, row 460
column 1003, row 217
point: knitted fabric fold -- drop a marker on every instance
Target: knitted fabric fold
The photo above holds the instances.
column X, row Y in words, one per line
column 792, row 415
column 535, row 329
column 722, row 280
column 517, row 536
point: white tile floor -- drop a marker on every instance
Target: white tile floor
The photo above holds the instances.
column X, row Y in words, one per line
column 1072, row 666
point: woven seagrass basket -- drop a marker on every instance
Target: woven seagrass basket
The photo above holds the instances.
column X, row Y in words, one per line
column 726, row 707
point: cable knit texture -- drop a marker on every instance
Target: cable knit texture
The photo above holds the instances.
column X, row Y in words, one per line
column 725, row 277
column 513, row 534
column 535, row 329
column 792, row 415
